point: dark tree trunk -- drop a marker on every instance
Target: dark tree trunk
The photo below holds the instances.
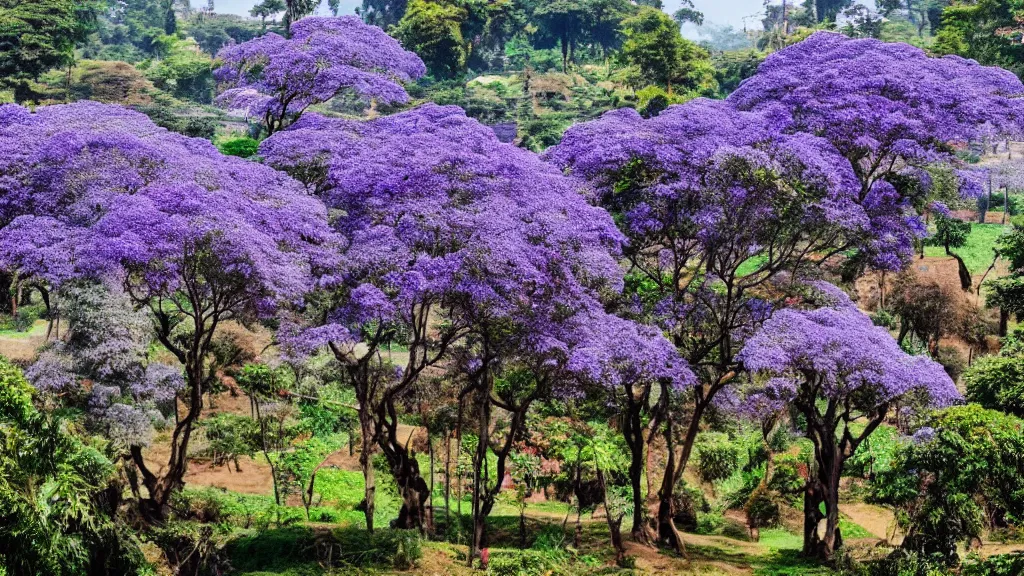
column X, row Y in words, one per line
column 634, row 433
column 614, row 523
column 366, row 465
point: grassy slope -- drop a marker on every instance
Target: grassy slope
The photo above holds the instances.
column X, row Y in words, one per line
column 977, row 253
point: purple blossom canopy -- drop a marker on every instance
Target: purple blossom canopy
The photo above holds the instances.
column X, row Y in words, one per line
column 430, row 202
column 838, row 351
column 274, row 79
column 435, row 209
column 99, row 191
column 880, row 99
column 885, row 106
column 710, row 176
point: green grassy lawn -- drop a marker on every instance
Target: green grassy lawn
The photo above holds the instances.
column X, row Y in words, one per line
column 38, row 329
column 977, row 253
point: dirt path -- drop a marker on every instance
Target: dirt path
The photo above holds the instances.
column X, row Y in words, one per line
column 22, row 346
column 878, row 521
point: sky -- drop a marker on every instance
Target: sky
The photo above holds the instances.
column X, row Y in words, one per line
column 731, row 12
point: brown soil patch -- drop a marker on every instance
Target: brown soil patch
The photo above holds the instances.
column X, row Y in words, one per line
column 879, row 521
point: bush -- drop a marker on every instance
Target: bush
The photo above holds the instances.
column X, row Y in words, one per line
column 180, row 121
column 906, row 563
column 885, row 319
column 761, row 509
column 1000, row 565
column 719, row 458
column 396, row 548
column 521, row 563
column 709, row 523
column 243, row 147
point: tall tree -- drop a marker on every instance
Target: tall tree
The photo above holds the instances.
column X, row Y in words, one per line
column 195, row 238
column 383, row 13
column 842, row 373
column 891, row 111
column 266, row 9
column 433, row 30
column 38, row 35
column 430, row 199
column 660, row 54
column 274, row 79
column 702, row 191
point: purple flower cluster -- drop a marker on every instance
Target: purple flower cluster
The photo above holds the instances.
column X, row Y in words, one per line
column 434, row 209
column 885, row 107
column 98, row 191
column 837, row 352
column 273, row 79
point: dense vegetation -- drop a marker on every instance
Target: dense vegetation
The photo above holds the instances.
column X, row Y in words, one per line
column 528, row 287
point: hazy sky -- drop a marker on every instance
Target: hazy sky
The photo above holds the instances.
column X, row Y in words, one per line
column 715, row 11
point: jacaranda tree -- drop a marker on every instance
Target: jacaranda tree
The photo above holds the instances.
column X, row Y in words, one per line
column 460, row 247
column 273, row 79
column 842, row 373
column 887, row 107
column 715, row 203
column 193, row 237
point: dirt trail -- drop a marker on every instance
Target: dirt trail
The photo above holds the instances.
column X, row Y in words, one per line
column 878, row 521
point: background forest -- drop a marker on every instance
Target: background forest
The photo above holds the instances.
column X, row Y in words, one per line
column 523, row 287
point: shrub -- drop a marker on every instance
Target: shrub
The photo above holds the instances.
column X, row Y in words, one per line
column 520, row 563
column 396, row 548
column 719, row 458
column 709, row 523
column 761, row 509
column 243, row 147
column 999, row 565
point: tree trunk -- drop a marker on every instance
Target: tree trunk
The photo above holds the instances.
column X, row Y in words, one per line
column 633, row 431
column 480, row 470
column 411, row 487
column 667, row 531
column 366, row 465
column 614, row 524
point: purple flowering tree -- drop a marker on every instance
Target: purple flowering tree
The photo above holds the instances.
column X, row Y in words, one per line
column 459, row 247
column 716, row 204
column 194, row 238
column 835, row 367
column 889, row 109
column 274, row 79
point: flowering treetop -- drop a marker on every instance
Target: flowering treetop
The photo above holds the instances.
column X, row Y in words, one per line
column 435, row 209
column 92, row 190
column 274, row 79
column 887, row 107
column 835, row 352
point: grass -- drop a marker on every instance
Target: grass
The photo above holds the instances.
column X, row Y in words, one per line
column 38, row 329
column 779, row 539
column 977, row 252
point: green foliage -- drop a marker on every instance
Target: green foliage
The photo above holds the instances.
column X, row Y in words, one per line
column 999, row 565
column 658, row 54
column 731, row 68
column 950, row 233
column 54, row 521
column 183, row 70
column 718, row 456
column 399, row 549
column 244, row 147
column 875, row 454
column 230, row 436
column 180, row 121
column 942, row 485
column 997, row 382
column 521, row 563
column 433, row 29
column 38, row 35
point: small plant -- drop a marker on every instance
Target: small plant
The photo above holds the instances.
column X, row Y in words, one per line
column 243, row 147
column 719, row 458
